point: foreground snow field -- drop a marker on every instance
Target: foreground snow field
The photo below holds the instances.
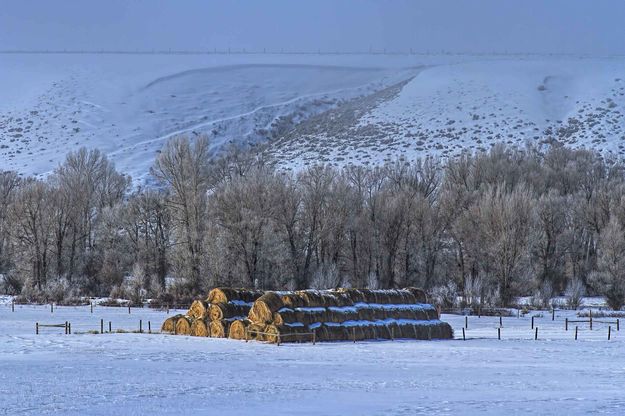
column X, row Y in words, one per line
column 156, row 374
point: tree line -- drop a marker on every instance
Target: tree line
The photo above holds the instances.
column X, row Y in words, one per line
column 479, row 228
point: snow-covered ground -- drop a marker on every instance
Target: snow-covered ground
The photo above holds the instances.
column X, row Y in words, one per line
column 156, row 374
column 338, row 109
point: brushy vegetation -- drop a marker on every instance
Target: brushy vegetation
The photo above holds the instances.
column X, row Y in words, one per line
column 477, row 229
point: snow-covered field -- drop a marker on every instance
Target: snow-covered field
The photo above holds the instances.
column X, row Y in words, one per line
column 338, row 109
column 156, row 374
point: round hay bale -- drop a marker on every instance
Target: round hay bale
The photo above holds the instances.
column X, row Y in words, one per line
column 198, row 309
column 256, row 331
column 183, row 325
column 332, row 333
column 286, row 333
column 319, row 298
column 228, row 294
column 219, row 311
column 419, row 294
column 198, row 328
column 170, row 323
column 218, row 329
column 237, row 329
column 264, row 307
column 292, row 300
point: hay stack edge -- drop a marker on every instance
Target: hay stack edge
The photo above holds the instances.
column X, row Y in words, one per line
column 311, row 315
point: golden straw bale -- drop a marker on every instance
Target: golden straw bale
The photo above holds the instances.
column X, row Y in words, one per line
column 183, row 325
column 227, row 294
column 286, row 333
column 218, row 329
column 219, row 311
column 198, row 309
column 237, row 328
column 170, row 323
column 264, row 307
column 256, row 331
column 198, row 328
column 293, row 300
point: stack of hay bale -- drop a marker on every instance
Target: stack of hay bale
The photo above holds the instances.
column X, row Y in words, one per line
column 345, row 314
column 213, row 316
column 331, row 315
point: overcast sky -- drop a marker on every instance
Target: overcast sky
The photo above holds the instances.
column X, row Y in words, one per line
column 540, row 26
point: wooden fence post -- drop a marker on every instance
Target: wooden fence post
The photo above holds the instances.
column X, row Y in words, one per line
column 591, row 322
column 12, row 305
column 101, row 326
column 500, row 321
column 618, row 324
column 140, row 326
column 52, row 307
column 536, row 334
column 575, row 332
column 65, row 327
column 168, row 309
column 566, row 324
column 36, row 328
column 354, row 334
column 532, row 321
column 553, row 314
column 149, row 327
column 609, row 331
column 499, row 333
column 466, row 322
column 129, row 308
column 464, row 338
column 110, row 327
column 91, row 307
column 69, row 328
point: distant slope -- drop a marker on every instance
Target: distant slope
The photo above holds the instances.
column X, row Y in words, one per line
column 308, row 109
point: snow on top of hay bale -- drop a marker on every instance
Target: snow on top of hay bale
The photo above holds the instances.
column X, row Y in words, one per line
column 228, row 294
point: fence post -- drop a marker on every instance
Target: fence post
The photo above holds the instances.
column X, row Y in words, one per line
column 129, row 308
column 532, row 321
column 52, row 307
column 553, row 314
column 536, row 334
column 65, row 327
column 36, row 328
column 149, row 327
column 566, row 324
column 466, row 322
column 392, row 333
column 91, row 307
column 464, row 338
column 499, row 333
column 246, row 334
column 575, row 332
column 168, row 309
column 618, row 325
column 140, row 326
column 12, row 305
column 609, row 331
column 69, row 328
column 354, row 334
column 591, row 322
column 500, row 321
column 278, row 340
column 110, row 327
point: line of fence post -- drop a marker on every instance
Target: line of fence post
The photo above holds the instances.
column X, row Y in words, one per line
column 69, row 328
column 618, row 324
column 66, row 328
column 91, row 307
column 354, row 334
column 52, row 307
column 553, row 314
column 499, row 333
column 500, row 321
column 129, row 308
column 12, row 305
column 466, row 322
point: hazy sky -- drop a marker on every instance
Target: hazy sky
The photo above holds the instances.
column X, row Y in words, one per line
column 565, row 26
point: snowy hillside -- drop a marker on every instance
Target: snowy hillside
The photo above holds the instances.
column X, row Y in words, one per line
column 308, row 108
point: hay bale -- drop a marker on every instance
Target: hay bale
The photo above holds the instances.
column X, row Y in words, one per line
column 332, row 333
column 253, row 330
column 380, row 296
column 227, row 294
column 198, row 309
column 286, row 333
column 264, row 307
column 199, row 328
column 218, row 329
column 219, row 311
column 183, row 325
column 237, row 329
column 418, row 293
column 293, row 300
column 323, row 298
column 170, row 323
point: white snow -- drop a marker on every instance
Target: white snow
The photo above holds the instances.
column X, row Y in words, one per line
column 156, row 374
